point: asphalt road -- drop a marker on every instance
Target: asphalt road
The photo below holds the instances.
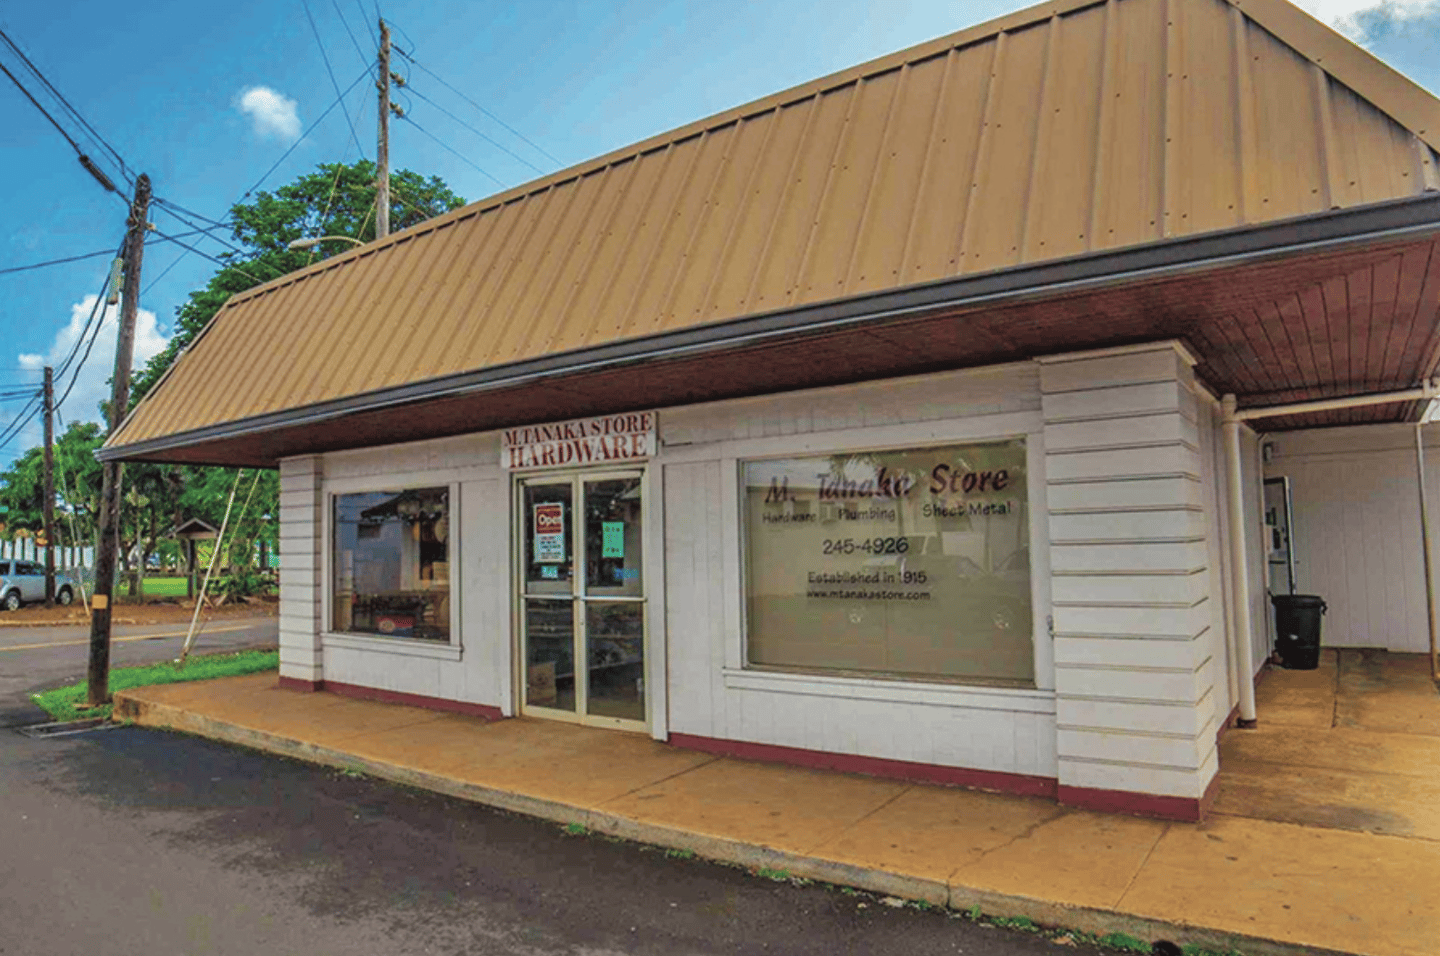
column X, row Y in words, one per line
column 130, row 841
column 38, row 658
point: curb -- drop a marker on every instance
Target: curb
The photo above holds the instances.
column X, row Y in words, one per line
column 1088, row 919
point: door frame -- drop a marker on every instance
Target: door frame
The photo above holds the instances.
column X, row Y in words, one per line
column 650, row 561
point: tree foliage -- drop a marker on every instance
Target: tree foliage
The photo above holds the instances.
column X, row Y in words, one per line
column 336, row 199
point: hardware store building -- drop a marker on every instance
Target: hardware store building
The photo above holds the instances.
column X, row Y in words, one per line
column 905, row 422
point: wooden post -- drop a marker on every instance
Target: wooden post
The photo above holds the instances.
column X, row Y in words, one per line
column 382, row 147
column 49, row 503
column 98, row 684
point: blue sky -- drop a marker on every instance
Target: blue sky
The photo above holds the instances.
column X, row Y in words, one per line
column 206, row 97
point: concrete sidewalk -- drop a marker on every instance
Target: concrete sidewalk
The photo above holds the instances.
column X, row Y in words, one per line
column 1260, row 886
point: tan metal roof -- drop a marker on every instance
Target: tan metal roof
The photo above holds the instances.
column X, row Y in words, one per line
column 1067, row 128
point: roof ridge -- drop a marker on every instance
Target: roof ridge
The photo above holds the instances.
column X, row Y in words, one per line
column 1340, row 58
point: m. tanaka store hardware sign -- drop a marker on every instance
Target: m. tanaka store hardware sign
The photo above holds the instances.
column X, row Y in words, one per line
column 603, row 440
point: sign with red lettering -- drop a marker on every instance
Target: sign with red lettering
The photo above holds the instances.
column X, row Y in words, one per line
column 603, row 440
column 550, row 533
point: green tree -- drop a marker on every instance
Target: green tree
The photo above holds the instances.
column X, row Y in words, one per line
column 77, row 486
column 336, row 199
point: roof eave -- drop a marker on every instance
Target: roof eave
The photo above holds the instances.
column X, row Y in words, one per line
column 1335, row 231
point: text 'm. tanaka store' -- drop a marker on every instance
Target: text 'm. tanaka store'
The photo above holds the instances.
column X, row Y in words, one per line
column 904, row 422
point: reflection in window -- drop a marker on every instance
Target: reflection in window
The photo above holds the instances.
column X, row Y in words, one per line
column 392, row 564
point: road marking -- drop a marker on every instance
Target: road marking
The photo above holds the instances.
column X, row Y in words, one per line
column 121, row 640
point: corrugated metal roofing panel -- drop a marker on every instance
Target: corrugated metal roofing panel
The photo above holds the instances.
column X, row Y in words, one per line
column 1076, row 126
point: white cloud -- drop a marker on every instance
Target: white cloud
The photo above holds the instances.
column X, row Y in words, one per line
column 272, row 112
column 92, row 384
column 1355, row 18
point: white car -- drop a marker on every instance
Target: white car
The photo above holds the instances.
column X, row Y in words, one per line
column 24, row 581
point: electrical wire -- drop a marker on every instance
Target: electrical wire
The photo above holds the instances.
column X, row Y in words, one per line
column 96, row 309
column 369, row 64
column 519, row 135
column 472, row 129
column 459, row 154
column 219, row 262
column 55, row 262
column 326, row 58
column 74, row 113
column 328, row 110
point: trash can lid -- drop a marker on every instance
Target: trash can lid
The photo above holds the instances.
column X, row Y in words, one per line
column 1298, row 600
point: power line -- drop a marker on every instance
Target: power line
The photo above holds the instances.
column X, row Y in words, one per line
column 346, row 24
column 96, row 309
column 461, row 155
column 219, row 262
column 55, row 262
column 472, row 129
column 70, row 109
column 492, row 116
column 201, row 230
column 328, row 110
column 326, row 58
column 258, row 183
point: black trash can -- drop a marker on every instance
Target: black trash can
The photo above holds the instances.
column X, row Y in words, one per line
column 1297, row 630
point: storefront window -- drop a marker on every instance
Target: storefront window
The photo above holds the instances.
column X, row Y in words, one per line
column 392, row 564
column 909, row 563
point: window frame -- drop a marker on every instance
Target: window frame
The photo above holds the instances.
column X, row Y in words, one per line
column 449, row 649
column 735, row 454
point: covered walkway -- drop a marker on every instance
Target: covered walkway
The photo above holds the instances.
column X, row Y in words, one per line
column 1354, row 745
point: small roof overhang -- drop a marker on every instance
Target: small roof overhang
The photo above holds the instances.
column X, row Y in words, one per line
column 1327, row 305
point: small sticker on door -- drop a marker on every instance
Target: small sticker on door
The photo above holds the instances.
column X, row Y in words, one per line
column 612, row 539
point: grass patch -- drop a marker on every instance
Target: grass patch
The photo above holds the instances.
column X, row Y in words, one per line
column 67, row 703
column 167, row 587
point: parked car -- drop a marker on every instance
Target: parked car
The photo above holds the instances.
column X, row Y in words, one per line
column 24, row 581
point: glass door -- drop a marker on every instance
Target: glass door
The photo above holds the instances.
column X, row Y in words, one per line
column 583, row 598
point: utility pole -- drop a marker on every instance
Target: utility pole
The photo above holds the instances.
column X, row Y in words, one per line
column 382, row 148
column 99, row 676
column 49, row 487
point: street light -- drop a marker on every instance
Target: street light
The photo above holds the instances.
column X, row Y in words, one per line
column 311, row 243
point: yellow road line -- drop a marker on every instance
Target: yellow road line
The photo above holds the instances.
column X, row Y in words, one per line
column 119, row 640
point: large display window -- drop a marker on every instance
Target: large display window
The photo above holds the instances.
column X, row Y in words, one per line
column 908, row 563
column 391, row 564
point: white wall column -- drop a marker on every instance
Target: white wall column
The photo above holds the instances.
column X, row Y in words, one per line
column 1243, row 641
column 1134, row 661
column 301, row 511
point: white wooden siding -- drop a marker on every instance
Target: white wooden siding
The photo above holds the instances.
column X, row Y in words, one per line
column 1357, row 529
column 300, row 502
column 712, row 695
column 1132, row 547
column 475, row 669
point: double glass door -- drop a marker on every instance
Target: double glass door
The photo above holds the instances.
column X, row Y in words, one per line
column 583, row 598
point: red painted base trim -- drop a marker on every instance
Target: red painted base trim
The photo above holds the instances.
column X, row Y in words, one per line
column 1212, row 790
column 394, row 697
column 1188, row 809
column 1017, row 783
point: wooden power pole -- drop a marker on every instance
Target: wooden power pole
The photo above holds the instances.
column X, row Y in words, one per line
column 49, row 505
column 382, row 147
column 98, row 691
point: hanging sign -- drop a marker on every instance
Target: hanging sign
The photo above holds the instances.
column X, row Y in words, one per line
column 550, row 533
column 605, row 439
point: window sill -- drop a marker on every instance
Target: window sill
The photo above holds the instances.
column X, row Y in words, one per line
column 970, row 696
column 399, row 646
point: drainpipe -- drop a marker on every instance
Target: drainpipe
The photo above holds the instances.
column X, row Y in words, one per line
column 1425, row 544
column 1239, row 564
